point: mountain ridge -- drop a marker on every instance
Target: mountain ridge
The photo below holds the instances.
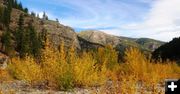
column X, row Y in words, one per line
column 104, row 39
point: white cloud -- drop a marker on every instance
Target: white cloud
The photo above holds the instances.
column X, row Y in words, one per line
column 158, row 19
column 40, row 14
column 162, row 22
column 51, row 16
column 116, row 32
column 164, row 13
column 99, row 13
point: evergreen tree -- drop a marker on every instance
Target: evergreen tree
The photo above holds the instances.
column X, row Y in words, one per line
column 6, row 17
column 33, row 14
column 26, row 10
column 15, row 4
column 169, row 51
column 43, row 37
column 22, row 38
column 19, row 34
column 20, row 7
column 10, row 5
column 37, row 15
column 57, row 20
column 6, row 42
column 27, row 39
column 34, row 43
column 7, row 13
column 45, row 17
column 1, row 14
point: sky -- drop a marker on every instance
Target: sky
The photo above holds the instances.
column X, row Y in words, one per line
column 156, row 19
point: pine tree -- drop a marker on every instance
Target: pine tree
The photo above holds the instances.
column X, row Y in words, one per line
column 26, row 10
column 15, row 4
column 7, row 13
column 33, row 14
column 5, row 17
column 19, row 33
column 43, row 37
column 6, row 42
column 10, row 5
column 1, row 14
column 20, row 7
column 27, row 40
column 34, row 43
column 37, row 15
column 57, row 20
column 22, row 38
column 45, row 17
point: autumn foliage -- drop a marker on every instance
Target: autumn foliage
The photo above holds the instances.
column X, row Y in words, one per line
column 61, row 69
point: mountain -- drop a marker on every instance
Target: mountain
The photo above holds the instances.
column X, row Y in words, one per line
column 85, row 40
column 119, row 42
column 170, row 50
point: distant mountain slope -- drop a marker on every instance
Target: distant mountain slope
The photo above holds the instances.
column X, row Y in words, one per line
column 169, row 50
column 119, row 42
column 99, row 37
column 149, row 44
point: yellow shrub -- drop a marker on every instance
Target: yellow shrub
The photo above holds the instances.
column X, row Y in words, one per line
column 86, row 73
column 49, row 66
column 26, row 69
column 107, row 55
column 64, row 70
column 136, row 62
column 139, row 74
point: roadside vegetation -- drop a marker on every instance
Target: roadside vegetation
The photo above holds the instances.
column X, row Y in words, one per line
column 64, row 70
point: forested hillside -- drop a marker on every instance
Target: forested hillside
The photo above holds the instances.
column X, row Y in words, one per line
column 169, row 50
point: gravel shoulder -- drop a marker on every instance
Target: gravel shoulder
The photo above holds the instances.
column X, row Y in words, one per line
column 21, row 87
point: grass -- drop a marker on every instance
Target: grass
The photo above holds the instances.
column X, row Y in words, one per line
column 64, row 71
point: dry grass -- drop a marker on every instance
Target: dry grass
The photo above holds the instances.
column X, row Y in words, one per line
column 61, row 70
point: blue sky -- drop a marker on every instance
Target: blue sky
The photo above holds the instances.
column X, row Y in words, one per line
column 157, row 19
